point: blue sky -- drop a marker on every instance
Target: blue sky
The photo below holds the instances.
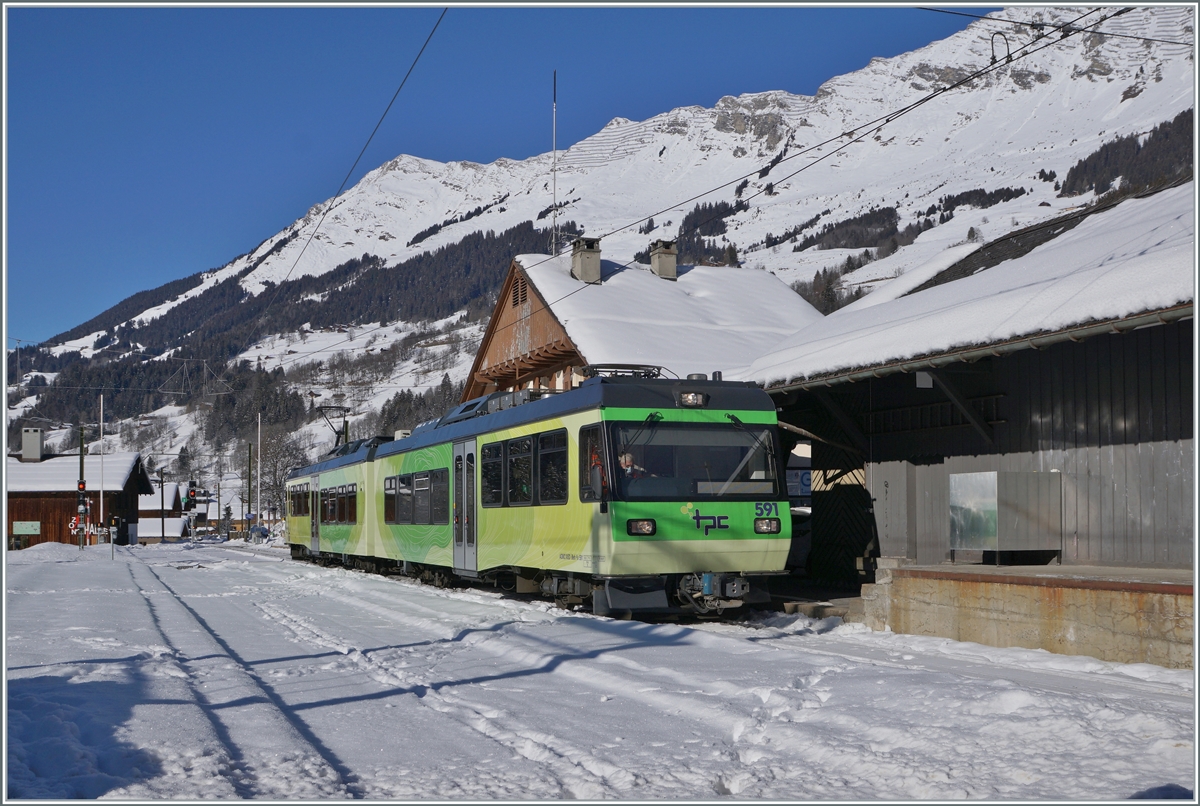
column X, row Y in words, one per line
column 146, row 144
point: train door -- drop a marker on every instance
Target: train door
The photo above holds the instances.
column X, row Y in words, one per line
column 464, row 506
column 314, row 514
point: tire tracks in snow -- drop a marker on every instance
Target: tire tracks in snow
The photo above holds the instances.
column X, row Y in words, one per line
column 577, row 772
column 748, row 730
column 272, row 753
column 1072, row 683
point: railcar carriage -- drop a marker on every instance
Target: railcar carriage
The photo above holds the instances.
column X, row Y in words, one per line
column 640, row 495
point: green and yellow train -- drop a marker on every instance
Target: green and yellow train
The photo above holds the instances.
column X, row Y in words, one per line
column 638, row 495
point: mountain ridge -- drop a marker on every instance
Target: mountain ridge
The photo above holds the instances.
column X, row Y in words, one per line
column 1056, row 107
column 408, row 194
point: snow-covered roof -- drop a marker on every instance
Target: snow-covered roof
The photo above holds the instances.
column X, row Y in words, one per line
column 710, row 318
column 59, row 474
column 155, row 500
column 153, row 527
column 1135, row 258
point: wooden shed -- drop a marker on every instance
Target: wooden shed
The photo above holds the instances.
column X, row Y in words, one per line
column 42, row 496
column 1059, row 360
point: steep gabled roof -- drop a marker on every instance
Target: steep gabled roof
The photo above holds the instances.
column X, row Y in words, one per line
column 520, row 317
column 59, row 474
column 710, row 318
column 153, row 502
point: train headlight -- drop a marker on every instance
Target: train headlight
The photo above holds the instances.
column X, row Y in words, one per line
column 766, row 526
column 644, row 526
column 692, row 400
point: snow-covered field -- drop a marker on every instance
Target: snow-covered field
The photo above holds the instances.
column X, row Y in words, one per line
column 216, row 671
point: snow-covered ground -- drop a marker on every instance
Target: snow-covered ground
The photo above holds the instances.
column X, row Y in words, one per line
column 209, row 670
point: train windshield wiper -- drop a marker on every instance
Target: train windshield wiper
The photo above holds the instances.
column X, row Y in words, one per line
column 760, row 441
column 651, row 418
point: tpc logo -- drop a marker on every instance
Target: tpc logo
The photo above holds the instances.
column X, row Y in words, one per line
column 710, row 522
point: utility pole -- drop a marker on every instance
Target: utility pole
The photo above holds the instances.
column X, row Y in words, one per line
column 112, row 552
column 554, row 166
column 82, row 503
column 162, row 513
column 258, row 498
column 249, row 485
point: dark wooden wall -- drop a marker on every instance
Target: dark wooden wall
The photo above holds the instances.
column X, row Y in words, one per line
column 54, row 510
column 1113, row 413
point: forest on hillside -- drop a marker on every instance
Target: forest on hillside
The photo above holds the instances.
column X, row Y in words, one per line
column 224, row 320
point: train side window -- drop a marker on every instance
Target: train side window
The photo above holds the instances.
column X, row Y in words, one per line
column 552, row 467
column 439, row 498
column 341, row 505
column 520, row 471
column 491, row 475
column 329, row 505
column 592, row 476
column 420, row 498
column 389, row 499
column 352, row 503
column 404, row 499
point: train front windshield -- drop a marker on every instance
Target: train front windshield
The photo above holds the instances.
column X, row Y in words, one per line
column 656, row 461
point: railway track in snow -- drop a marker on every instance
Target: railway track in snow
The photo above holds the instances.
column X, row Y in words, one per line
column 268, row 751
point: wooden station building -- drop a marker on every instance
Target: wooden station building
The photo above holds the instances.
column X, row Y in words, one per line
column 557, row 314
column 1030, row 407
column 42, row 494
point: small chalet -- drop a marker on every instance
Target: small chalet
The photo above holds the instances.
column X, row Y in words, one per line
column 556, row 315
column 42, row 494
column 165, row 499
column 160, row 514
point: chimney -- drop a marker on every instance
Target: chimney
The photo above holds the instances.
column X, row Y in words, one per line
column 31, row 444
column 662, row 259
column 585, row 260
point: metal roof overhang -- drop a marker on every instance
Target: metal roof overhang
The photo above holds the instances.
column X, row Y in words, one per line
column 1036, row 342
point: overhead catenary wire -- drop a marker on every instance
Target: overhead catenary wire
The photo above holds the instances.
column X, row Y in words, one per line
column 357, row 159
column 856, row 134
column 1037, row 26
column 870, row 127
column 867, row 128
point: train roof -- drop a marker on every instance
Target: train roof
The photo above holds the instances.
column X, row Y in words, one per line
column 479, row 416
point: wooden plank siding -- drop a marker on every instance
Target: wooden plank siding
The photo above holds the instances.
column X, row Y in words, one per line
column 524, row 342
column 54, row 511
column 1113, row 413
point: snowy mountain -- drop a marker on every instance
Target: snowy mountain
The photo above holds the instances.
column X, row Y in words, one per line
column 1042, row 112
column 881, row 137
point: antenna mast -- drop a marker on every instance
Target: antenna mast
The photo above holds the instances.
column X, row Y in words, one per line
column 554, row 166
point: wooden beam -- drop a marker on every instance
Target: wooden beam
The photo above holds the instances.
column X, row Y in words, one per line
column 844, row 420
column 810, row 435
column 963, row 405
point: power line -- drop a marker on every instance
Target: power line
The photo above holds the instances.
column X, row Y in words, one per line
column 329, row 207
column 1037, row 26
column 866, row 128
column 350, row 173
